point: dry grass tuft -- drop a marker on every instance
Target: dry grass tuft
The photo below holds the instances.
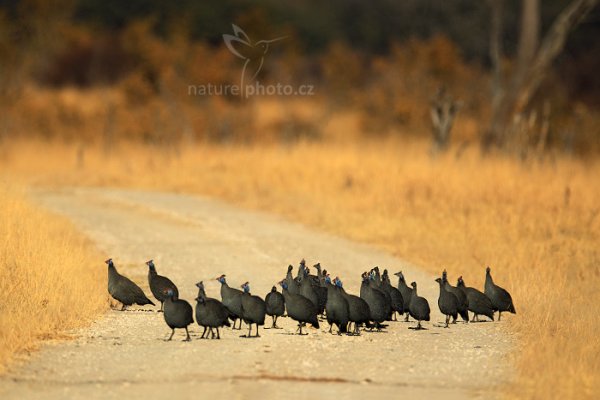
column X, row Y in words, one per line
column 535, row 223
column 49, row 277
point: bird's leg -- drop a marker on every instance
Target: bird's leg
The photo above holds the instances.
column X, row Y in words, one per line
column 187, row 337
column 124, row 307
column 454, row 319
column 257, row 335
column 418, row 324
column 161, row 306
column 394, row 318
column 447, row 321
column 406, row 318
column 172, row 333
column 330, row 328
column 249, row 330
column 473, row 319
column 499, row 315
column 218, row 335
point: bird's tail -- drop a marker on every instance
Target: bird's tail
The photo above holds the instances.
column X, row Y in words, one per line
column 512, row 308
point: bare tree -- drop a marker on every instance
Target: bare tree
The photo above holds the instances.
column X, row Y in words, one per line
column 443, row 111
column 512, row 95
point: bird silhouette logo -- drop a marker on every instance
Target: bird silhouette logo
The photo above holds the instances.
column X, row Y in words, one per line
column 252, row 52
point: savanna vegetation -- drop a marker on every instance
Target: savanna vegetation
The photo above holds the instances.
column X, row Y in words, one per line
column 103, row 98
column 49, row 276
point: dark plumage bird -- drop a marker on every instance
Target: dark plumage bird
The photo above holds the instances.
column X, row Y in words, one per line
column 210, row 313
column 337, row 308
column 232, row 300
column 499, row 297
column 419, row 307
column 178, row 314
column 307, row 290
column 299, row 308
column 479, row 303
column 275, row 303
column 358, row 309
column 123, row 289
column 397, row 301
column 159, row 285
column 254, row 310
column 463, row 303
column 292, row 284
column 447, row 302
column 379, row 307
column 406, row 292
column 320, row 288
column 320, row 275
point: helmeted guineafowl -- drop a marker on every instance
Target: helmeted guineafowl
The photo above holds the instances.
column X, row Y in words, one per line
column 419, row 307
column 275, row 303
column 358, row 309
column 337, row 309
column 406, row 292
column 210, row 313
column 499, row 297
column 447, row 302
column 299, row 308
column 463, row 303
column 178, row 314
column 159, row 285
column 123, row 289
column 379, row 307
column 254, row 310
column 318, row 284
column 479, row 303
column 307, row 290
column 395, row 295
column 292, row 284
column 232, row 300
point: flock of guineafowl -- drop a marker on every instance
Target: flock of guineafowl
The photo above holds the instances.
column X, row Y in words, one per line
column 306, row 297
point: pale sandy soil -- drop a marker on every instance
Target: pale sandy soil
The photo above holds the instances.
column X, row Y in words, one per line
column 124, row 355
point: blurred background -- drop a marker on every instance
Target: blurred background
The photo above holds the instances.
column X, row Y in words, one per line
column 455, row 74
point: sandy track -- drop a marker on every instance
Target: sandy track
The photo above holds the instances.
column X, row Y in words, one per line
column 123, row 354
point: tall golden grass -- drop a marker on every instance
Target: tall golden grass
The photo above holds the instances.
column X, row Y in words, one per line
column 50, row 280
column 535, row 223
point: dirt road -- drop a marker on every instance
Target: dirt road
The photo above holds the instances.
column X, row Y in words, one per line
column 124, row 355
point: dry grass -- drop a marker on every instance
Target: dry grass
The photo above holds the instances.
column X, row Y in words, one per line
column 49, row 276
column 536, row 224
